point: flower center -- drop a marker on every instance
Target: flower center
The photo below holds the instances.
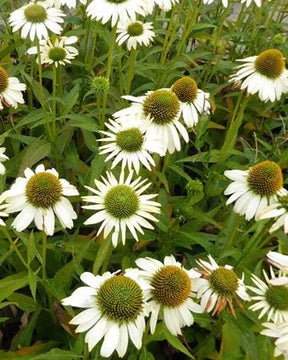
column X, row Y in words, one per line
column 186, row 89
column 171, row 286
column 120, row 299
column 130, row 140
column 35, row 13
column 162, row 106
column 57, row 53
column 121, row 202
column 100, row 84
column 283, row 200
column 270, row 63
column 3, row 79
column 43, row 190
column 135, row 29
column 265, row 179
column 277, row 297
column 224, row 282
column 116, row 1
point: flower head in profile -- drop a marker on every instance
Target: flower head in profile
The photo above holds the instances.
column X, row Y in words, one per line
column 163, row 108
column 271, row 297
column 279, row 211
column 120, row 205
column 39, row 197
column 280, row 333
column 56, row 52
column 278, row 260
column 219, row 286
column 254, row 189
column 194, row 101
column 134, row 33
column 35, row 19
column 224, row 2
column 3, row 158
column 126, row 143
column 170, row 292
column 264, row 74
column 115, row 10
column 115, row 309
column 10, row 91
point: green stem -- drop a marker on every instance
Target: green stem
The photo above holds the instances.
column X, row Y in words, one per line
column 167, row 35
column 130, row 75
column 54, row 102
column 44, row 253
column 119, row 48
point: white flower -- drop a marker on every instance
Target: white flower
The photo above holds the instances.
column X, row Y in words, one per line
column 115, row 310
column 162, row 107
column 35, row 18
column 280, row 332
column 218, row 286
column 224, row 2
column 264, row 74
column 3, row 158
column 57, row 52
column 170, row 292
column 278, row 260
column 121, row 204
column 271, row 297
column 248, row 2
column 126, row 143
column 254, row 189
column 2, row 207
column 193, row 100
column 135, row 32
column 122, row 11
column 38, row 197
column 58, row 3
column 10, row 90
column 165, row 5
column 277, row 210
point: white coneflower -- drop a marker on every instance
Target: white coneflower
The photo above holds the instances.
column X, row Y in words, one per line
column 248, row 2
column 271, row 297
column 254, row 189
column 116, row 10
column 278, row 260
column 57, row 52
column 218, row 286
column 115, row 310
column 38, row 197
column 163, row 108
column 193, row 100
column 166, row 5
column 264, row 74
column 278, row 210
column 170, row 292
column 126, row 143
column 35, row 18
column 224, row 2
column 120, row 205
column 3, row 158
column 69, row 3
column 134, row 33
column 10, row 90
column 279, row 332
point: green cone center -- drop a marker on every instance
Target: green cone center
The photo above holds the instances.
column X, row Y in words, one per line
column 120, row 299
column 224, row 282
column 130, row 140
column 277, row 297
column 135, row 29
column 35, row 13
column 121, row 202
column 57, row 54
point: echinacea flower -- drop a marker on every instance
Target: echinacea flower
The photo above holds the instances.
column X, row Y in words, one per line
column 135, row 33
column 264, row 74
column 224, row 2
column 165, row 5
column 279, row 332
column 39, row 197
column 10, row 90
column 170, row 292
column 57, row 52
column 278, row 210
column 248, row 2
column 193, row 100
column 278, row 260
column 254, row 189
column 115, row 310
column 35, row 18
column 115, row 10
column 271, row 298
column 69, row 3
column 126, row 143
column 163, row 108
column 219, row 286
column 120, row 205
column 3, row 158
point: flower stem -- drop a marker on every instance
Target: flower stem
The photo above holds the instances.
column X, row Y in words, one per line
column 54, row 102
column 44, row 253
column 130, row 74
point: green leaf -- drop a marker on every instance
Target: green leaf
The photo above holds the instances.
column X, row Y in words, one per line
column 12, row 283
column 57, row 354
column 24, row 302
column 176, row 343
